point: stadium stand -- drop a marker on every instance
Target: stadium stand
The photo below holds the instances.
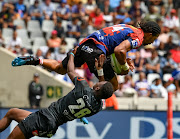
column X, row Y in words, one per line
column 34, row 36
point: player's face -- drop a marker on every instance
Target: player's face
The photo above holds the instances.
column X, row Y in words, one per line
column 149, row 39
column 98, row 85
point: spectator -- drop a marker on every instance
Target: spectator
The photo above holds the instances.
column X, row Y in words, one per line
column 169, row 45
column 167, row 64
column 7, row 14
column 35, row 12
column 157, row 90
column 172, row 21
column 54, row 41
column 146, row 51
column 50, row 54
column 96, row 21
column 107, row 12
column 48, row 10
column 89, row 7
column 176, row 77
column 74, row 29
column 125, row 86
column 84, row 29
column 122, row 17
column 138, row 62
column 170, row 87
column 142, row 86
column 136, row 7
column 63, row 11
column 153, row 63
column 21, row 10
column 153, row 14
column 59, row 29
column 161, row 50
column 164, row 36
column 112, row 103
column 24, row 52
column 78, row 11
column 15, row 44
column 39, row 54
column 35, row 92
column 176, row 54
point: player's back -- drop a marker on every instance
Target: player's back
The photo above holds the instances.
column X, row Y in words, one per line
column 109, row 37
column 80, row 102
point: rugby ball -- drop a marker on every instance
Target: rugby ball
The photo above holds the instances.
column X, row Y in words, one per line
column 115, row 64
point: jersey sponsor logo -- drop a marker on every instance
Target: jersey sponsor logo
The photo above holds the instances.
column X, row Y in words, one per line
column 135, row 43
column 35, row 133
column 86, row 49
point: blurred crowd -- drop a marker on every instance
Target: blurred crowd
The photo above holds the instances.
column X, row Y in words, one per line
column 49, row 28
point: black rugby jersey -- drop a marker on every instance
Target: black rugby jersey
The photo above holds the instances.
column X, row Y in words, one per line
column 80, row 102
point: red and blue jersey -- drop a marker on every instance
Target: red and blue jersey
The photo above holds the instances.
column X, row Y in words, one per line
column 108, row 38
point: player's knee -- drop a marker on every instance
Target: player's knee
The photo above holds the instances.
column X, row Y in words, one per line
column 60, row 69
column 11, row 112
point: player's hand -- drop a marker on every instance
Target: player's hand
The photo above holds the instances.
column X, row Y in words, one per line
column 25, row 60
column 131, row 64
column 99, row 63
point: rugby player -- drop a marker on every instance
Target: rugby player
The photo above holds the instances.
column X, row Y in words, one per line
column 82, row 101
column 118, row 39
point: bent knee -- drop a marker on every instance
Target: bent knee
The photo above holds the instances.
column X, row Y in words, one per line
column 11, row 112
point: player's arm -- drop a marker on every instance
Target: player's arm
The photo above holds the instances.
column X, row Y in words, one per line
column 71, row 67
column 120, row 53
column 99, row 66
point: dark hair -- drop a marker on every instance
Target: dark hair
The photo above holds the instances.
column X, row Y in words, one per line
column 150, row 27
column 106, row 90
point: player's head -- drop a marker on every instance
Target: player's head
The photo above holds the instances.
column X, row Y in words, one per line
column 103, row 90
column 151, row 31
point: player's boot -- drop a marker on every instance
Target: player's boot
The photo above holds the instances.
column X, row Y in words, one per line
column 84, row 120
column 25, row 60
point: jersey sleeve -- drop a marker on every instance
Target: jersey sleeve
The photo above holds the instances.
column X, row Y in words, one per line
column 136, row 38
column 80, row 83
column 135, row 43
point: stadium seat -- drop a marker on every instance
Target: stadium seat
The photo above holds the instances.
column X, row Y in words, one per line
column 166, row 77
column 120, row 78
column 35, row 34
column 19, row 22
column 48, row 35
column 125, row 103
column 143, row 105
column 22, row 33
column 151, row 77
column 135, row 77
column 38, row 42
column 7, row 40
column 7, row 32
column 26, row 43
column 33, row 25
column 47, row 26
column 64, row 25
column 70, row 43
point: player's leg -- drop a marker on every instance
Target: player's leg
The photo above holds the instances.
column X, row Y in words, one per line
column 13, row 114
column 54, row 65
column 16, row 134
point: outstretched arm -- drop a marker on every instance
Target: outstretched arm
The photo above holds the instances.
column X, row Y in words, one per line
column 99, row 66
column 71, row 67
